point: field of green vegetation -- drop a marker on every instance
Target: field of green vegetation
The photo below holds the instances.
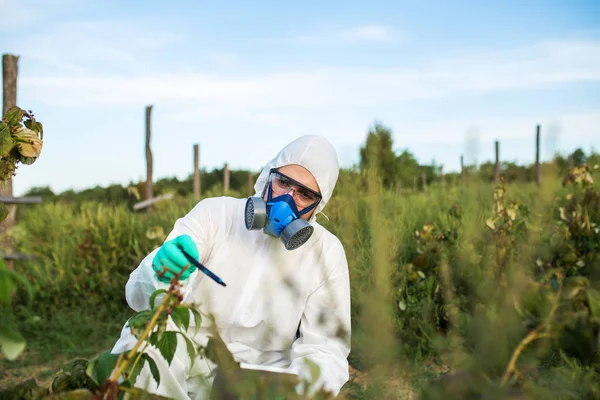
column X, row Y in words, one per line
column 466, row 290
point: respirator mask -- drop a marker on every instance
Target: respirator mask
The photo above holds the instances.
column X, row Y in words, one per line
column 279, row 216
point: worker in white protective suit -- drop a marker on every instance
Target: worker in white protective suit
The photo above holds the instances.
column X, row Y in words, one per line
column 287, row 293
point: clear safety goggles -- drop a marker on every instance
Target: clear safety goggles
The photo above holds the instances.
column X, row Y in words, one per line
column 282, row 184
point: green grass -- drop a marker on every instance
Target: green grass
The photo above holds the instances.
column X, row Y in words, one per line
column 68, row 334
column 407, row 315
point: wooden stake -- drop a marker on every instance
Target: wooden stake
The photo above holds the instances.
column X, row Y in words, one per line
column 148, row 187
column 225, row 178
column 497, row 168
column 538, row 178
column 197, row 172
column 10, row 71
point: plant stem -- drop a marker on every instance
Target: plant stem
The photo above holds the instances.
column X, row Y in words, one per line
column 533, row 335
column 139, row 356
column 119, row 369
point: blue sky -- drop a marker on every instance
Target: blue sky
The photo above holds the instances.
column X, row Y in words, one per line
column 245, row 78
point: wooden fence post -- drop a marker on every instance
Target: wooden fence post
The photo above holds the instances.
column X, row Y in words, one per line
column 497, row 167
column 538, row 178
column 10, row 70
column 197, row 172
column 148, row 187
column 225, row 178
column 149, row 199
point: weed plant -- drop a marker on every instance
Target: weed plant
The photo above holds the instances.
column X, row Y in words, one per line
column 466, row 291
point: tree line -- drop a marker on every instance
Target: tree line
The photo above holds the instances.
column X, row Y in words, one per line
column 398, row 169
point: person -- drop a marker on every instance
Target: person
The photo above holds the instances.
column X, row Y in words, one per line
column 287, row 294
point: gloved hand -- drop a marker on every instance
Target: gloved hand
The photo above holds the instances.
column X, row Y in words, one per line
column 169, row 258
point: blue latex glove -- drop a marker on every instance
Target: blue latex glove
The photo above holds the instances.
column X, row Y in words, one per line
column 169, row 258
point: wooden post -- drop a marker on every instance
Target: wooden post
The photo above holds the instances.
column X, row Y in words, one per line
column 148, row 187
column 462, row 168
column 415, row 183
column 225, row 178
column 197, row 172
column 424, row 181
column 538, row 179
column 497, row 169
column 10, row 70
column 250, row 183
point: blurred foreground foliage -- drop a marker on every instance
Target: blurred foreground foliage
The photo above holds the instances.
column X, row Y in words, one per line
column 21, row 140
column 458, row 291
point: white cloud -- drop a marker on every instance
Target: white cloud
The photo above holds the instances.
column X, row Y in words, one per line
column 20, row 15
column 545, row 64
column 15, row 16
column 363, row 34
column 369, row 33
column 94, row 46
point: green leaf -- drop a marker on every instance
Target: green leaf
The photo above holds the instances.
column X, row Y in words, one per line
column 8, row 279
column 27, row 160
column 181, row 317
column 197, row 319
column 153, row 297
column 139, row 321
column 6, row 285
column 594, row 301
column 167, row 344
column 29, row 123
column 102, row 367
column 39, row 128
column 577, row 280
column 35, row 126
column 12, row 342
column 573, row 286
column 14, row 115
column 132, row 374
column 153, row 368
column 191, row 350
column 28, row 142
column 6, row 141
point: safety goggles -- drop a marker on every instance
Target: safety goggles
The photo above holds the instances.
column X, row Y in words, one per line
column 282, row 184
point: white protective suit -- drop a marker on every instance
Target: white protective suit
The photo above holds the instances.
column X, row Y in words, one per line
column 271, row 292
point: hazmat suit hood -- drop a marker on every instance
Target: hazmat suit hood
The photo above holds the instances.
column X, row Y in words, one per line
column 317, row 155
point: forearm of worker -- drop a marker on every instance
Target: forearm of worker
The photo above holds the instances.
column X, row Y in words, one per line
column 325, row 334
column 143, row 280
